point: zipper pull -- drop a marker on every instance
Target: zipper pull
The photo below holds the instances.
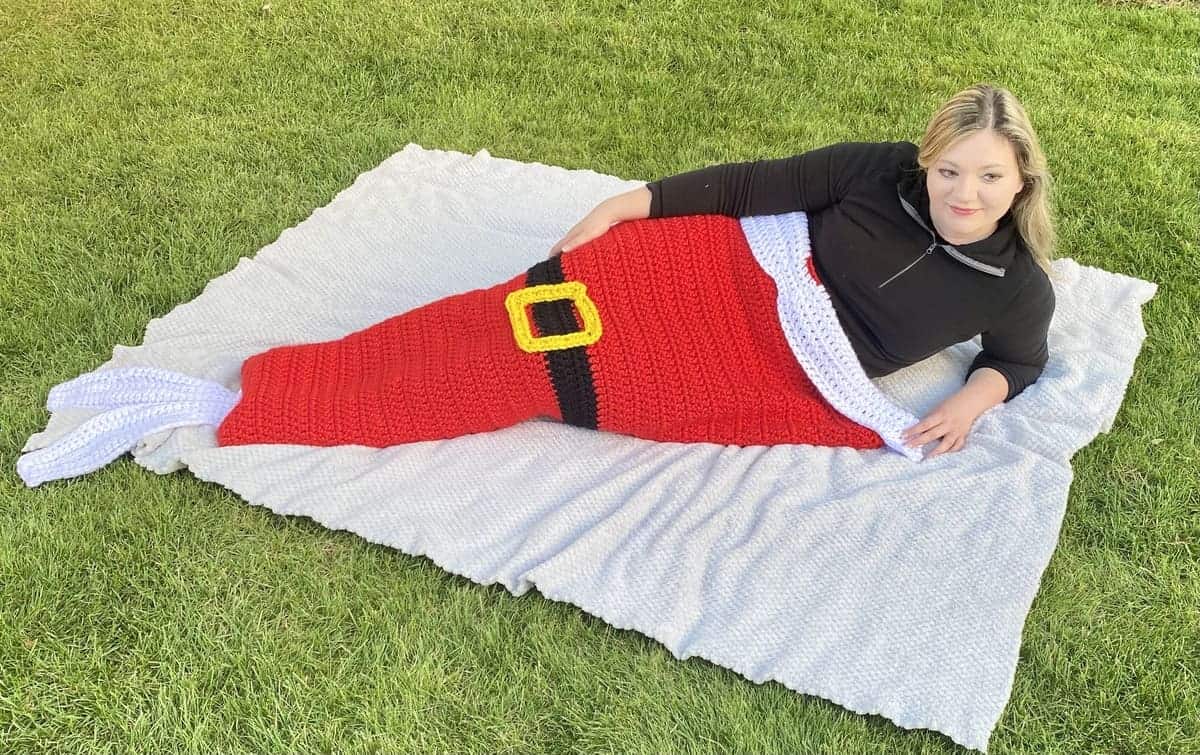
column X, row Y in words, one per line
column 932, row 246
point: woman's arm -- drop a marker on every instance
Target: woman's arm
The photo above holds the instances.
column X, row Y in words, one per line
column 807, row 181
column 984, row 389
column 632, row 205
column 1017, row 346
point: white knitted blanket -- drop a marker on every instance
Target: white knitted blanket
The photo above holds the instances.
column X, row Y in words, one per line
column 884, row 585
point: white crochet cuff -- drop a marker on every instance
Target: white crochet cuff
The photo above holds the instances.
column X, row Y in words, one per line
column 781, row 245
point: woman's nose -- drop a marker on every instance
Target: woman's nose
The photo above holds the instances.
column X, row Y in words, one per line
column 965, row 190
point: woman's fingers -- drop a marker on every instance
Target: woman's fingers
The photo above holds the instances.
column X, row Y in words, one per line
column 583, row 232
column 950, row 447
column 561, row 246
column 594, row 225
column 567, row 242
column 918, row 428
column 942, row 447
column 922, row 432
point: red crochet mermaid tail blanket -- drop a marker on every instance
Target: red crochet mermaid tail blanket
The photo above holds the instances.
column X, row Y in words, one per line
column 665, row 329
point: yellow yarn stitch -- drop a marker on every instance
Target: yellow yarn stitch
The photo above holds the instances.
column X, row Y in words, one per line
column 517, row 300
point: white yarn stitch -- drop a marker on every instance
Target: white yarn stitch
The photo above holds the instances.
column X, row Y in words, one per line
column 134, row 402
column 781, row 245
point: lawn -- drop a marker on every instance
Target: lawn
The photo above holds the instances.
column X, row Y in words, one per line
column 146, row 146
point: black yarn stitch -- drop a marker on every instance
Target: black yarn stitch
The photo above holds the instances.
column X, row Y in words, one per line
column 570, row 370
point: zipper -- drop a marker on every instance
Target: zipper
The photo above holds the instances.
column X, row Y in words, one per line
column 924, row 254
column 969, row 262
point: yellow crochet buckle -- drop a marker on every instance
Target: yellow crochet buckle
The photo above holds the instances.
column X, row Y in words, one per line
column 517, row 300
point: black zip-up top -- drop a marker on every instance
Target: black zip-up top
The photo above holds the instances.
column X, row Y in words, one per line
column 901, row 292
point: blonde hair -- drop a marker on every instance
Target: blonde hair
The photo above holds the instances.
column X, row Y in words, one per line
column 984, row 106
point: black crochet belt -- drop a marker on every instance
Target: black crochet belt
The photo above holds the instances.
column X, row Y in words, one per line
column 570, row 371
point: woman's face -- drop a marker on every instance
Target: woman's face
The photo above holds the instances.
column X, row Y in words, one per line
column 978, row 173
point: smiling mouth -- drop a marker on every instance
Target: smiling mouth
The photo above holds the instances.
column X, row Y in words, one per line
column 960, row 211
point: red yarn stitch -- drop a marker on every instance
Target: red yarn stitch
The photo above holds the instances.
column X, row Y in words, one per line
column 812, row 270
column 691, row 351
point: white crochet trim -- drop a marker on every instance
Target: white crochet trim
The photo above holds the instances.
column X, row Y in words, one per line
column 781, row 245
column 134, row 402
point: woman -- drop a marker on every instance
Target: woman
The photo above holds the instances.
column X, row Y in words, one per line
column 739, row 304
column 978, row 179
column 745, row 304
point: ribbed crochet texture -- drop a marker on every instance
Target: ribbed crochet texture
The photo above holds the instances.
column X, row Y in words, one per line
column 448, row 368
column 692, row 350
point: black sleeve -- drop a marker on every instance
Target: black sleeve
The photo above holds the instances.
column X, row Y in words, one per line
column 808, row 181
column 1016, row 344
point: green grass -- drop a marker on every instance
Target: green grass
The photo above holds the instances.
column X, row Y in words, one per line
column 145, row 148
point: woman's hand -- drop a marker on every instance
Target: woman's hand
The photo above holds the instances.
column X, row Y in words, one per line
column 951, row 421
column 953, row 418
column 594, row 224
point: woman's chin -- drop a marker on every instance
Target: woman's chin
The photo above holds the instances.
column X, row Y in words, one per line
column 960, row 230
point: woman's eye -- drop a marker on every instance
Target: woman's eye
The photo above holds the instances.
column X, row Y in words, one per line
column 994, row 177
column 946, row 172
